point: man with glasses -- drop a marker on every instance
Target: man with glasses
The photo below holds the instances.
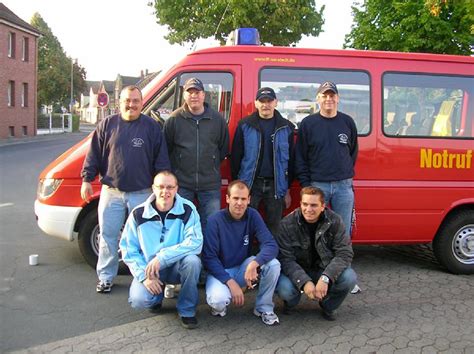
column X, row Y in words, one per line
column 127, row 150
column 160, row 244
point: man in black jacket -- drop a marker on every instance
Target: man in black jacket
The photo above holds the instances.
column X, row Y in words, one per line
column 198, row 141
column 315, row 255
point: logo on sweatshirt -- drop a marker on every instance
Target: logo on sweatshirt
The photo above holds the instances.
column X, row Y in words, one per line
column 343, row 138
column 246, row 240
column 137, row 142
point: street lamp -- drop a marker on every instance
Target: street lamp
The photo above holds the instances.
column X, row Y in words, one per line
column 73, row 60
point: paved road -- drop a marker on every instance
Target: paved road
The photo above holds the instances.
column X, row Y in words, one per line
column 408, row 305
column 56, row 299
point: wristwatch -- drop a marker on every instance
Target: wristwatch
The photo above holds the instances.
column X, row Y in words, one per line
column 325, row 279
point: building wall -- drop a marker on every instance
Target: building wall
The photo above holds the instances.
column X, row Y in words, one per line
column 22, row 119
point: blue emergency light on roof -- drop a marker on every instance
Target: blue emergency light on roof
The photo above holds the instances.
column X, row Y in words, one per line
column 244, row 36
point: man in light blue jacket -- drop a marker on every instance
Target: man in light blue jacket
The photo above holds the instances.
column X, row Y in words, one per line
column 160, row 244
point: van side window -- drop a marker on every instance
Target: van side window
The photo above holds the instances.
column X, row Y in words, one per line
column 218, row 87
column 423, row 105
column 296, row 92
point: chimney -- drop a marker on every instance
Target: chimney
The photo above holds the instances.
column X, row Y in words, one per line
column 146, row 72
column 141, row 74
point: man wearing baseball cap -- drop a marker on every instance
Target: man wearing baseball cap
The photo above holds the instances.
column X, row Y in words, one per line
column 198, row 141
column 262, row 157
column 326, row 152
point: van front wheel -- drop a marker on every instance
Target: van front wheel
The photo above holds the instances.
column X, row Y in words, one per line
column 88, row 241
column 453, row 245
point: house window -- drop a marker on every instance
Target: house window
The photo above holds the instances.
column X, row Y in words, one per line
column 24, row 95
column 11, row 44
column 25, row 47
column 11, row 93
column 11, row 131
column 25, row 130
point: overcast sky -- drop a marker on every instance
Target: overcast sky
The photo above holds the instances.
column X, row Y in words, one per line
column 121, row 36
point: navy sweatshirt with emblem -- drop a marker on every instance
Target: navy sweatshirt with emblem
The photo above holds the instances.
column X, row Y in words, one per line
column 326, row 149
column 126, row 154
column 228, row 242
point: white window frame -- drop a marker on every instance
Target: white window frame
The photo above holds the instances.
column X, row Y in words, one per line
column 25, row 48
column 11, row 44
column 24, row 95
column 11, row 93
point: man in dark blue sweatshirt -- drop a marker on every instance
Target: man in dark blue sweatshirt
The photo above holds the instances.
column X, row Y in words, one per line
column 127, row 150
column 227, row 256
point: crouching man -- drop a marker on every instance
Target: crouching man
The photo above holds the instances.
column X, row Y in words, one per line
column 227, row 257
column 315, row 255
column 160, row 244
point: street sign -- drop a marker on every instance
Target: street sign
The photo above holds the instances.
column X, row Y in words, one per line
column 102, row 99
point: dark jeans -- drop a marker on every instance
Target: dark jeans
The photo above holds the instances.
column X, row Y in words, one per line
column 263, row 190
column 337, row 291
column 209, row 202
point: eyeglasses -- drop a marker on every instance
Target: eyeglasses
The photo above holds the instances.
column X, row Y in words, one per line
column 161, row 187
column 128, row 100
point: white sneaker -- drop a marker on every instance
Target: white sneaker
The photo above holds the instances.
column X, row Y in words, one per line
column 215, row 312
column 269, row 318
column 356, row 289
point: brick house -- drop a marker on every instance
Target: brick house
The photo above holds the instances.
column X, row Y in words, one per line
column 18, row 75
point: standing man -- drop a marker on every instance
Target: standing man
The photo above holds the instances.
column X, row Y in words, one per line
column 262, row 157
column 126, row 150
column 198, row 141
column 326, row 152
column 227, row 257
column 160, row 244
column 315, row 255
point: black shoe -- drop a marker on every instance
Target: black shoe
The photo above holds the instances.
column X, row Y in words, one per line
column 156, row 308
column 327, row 315
column 189, row 322
column 287, row 310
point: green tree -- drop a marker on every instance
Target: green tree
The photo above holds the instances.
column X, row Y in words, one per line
column 54, row 68
column 427, row 26
column 280, row 22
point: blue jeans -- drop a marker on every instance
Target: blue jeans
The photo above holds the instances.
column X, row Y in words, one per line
column 185, row 272
column 218, row 295
column 337, row 291
column 114, row 206
column 264, row 190
column 340, row 196
column 208, row 203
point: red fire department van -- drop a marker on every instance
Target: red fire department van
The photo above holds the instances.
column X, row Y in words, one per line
column 414, row 178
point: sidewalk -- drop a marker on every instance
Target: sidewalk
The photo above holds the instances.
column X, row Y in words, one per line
column 45, row 134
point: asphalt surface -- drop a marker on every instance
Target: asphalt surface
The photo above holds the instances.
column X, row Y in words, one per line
column 408, row 304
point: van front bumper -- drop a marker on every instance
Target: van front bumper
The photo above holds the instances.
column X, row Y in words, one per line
column 57, row 221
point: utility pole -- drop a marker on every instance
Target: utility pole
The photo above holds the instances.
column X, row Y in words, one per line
column 72, row 85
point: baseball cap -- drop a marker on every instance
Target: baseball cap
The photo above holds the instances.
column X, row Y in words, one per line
column 265, row 92
column 328, row 86
column 193, row 83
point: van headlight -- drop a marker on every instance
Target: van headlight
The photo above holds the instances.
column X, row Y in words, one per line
column 47, row 187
